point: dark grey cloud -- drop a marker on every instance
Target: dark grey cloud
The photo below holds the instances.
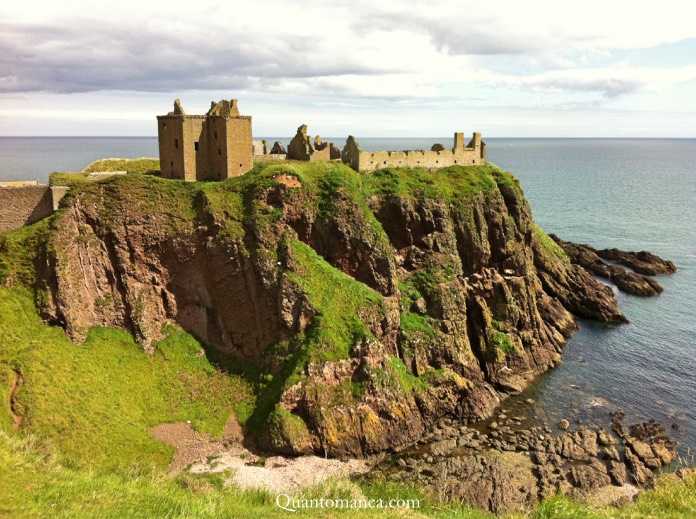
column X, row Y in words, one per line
column 85, row 56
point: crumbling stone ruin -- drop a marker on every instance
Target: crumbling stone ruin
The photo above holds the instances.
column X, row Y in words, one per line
column 302, row 147
column 278, row 149
column 260, row 147
column 214, row 146
column 473, row 153
column 219, row 145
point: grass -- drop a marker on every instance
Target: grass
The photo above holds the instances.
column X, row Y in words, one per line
column 96, row 402
column 452, row 184
column 170, row 202
column 141, row 166
column 501, row 341
column 34, row 484
column 413, row 323
column 339, row 300
column 18, row 252
column 549, row 246
column 407, row 381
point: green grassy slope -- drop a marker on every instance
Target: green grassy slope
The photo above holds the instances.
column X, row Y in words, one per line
column 95, row 402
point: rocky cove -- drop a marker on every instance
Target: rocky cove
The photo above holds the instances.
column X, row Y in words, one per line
column 391, row 312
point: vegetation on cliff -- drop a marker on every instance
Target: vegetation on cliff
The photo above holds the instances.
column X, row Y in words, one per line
column 298, row 265
column 95, row 402
column 145, row 166
column 328, row 311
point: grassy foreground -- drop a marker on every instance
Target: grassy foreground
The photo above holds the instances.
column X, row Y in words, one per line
column 34, row 484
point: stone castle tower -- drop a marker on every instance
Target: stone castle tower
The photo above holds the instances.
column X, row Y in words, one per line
column 214, row 146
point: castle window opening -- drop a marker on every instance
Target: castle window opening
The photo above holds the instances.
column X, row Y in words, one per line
column 219, row 151
column 176, row 143
column 215, row 134
column 195, row 145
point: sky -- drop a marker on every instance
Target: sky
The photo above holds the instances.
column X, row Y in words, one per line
column 536, row 68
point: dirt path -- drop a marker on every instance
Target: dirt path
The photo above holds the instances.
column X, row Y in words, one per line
column 201, row 455
column 278, row 474
column 16, row 381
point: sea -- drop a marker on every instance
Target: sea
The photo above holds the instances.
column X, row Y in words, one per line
column 633, row 194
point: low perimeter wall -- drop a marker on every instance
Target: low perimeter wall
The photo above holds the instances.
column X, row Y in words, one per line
column 24, row 205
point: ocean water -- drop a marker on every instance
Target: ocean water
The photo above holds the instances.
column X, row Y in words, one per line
column 627, row 193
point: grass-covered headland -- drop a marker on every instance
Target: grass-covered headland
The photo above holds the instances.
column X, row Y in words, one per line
column 75, row 419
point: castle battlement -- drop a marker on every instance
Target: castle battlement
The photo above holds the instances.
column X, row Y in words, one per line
column 213, row 146
column 474, row 153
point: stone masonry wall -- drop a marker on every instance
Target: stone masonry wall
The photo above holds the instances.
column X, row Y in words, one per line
column 24, row 205
column 472, row 154
column 370, row 161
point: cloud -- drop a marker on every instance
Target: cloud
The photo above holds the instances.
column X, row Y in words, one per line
column 609, row 82
column 608, row 87
column 380, row 59
column 88, row 55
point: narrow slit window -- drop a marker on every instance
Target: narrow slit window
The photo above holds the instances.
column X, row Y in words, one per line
column 195, row 145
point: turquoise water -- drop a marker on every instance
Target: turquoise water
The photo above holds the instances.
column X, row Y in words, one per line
column 631, row 194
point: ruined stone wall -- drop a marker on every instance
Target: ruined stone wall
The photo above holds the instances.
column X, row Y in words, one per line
column 239, row 151
column 321, row 154
column 24, row 205
column 472, row 154
column 169, row 136
column 271, row 156
column 192, row 134
column 370, row 161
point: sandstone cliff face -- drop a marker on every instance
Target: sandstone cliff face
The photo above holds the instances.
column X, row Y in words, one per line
column 368, row 307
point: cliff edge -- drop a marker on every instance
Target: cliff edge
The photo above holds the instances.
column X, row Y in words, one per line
column 363, row 307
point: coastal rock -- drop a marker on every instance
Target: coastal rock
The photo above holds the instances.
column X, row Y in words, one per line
column 246, row 270
column 581, row 469
column 636, row 283
column 499, row 482
column 642, row 262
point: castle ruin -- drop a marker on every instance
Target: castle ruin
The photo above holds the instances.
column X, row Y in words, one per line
column 474, row 153
column 302, row 147
column 214, row 146
column 219, row 145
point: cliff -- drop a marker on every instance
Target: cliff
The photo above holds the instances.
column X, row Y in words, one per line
column 362, row 308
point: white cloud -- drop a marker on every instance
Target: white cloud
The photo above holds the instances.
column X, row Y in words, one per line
column 375, row 58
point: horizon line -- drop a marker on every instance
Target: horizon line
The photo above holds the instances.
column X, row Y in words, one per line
column 341, row 137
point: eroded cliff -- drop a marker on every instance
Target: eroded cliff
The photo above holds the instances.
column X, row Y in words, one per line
column 363, row 307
